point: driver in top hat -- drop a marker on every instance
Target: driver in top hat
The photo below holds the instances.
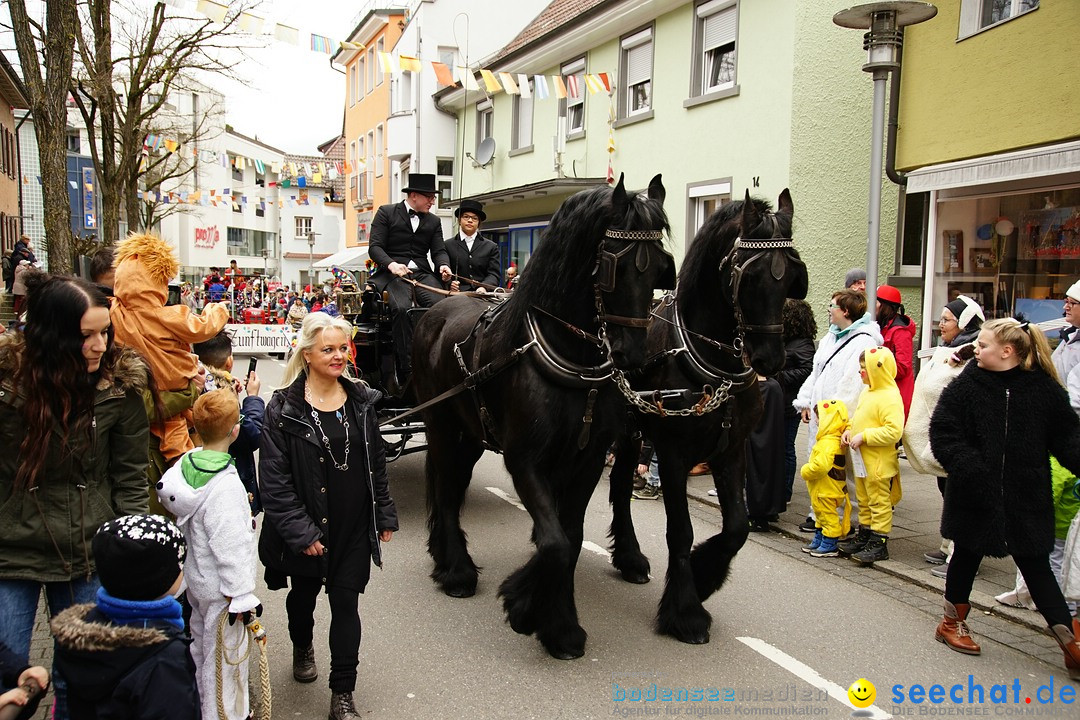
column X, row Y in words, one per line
column 402, row 235
column 473, row 256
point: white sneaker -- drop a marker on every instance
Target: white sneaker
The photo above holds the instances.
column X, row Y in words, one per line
column 713, row 492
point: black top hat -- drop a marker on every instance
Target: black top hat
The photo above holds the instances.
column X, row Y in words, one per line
column 421, row 183
column 473, row 207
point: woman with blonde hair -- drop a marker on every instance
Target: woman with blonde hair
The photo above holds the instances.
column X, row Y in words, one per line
column 322, row 472
column 993, row 431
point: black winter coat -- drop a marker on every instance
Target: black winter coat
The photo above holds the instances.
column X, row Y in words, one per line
column 124, row 672
column 293, row 482
column 798, row 364
column 994, row 432
column 247, row 442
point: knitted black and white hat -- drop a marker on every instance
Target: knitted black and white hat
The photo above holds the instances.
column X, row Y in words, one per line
column 965, row 310
column 138, row 557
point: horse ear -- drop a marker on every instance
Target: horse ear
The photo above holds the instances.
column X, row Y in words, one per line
column 784, row 203
column 656, row 190
column 750, row 217
column 618, row 198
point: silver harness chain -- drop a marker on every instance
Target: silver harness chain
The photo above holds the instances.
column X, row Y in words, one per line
column 710, row 399
column 343, row 418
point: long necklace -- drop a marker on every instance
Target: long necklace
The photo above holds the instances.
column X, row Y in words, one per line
column 343, row 418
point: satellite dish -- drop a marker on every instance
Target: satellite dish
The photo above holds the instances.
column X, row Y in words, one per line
column 485, row 152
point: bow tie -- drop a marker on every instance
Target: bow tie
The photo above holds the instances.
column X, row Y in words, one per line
column 413, row 213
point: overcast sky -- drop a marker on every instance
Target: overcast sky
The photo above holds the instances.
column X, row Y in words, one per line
column 291, row 97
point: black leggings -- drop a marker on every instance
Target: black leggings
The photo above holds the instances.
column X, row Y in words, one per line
column 344, row 627
column 1040, row 580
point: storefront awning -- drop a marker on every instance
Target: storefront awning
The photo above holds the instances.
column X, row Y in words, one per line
column 352, row 258
column 1037, row 162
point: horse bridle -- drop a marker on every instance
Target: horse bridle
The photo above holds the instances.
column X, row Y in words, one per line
column 605, row 272
column 761, row 248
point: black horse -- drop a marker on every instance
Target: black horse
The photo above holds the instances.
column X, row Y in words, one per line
column 727, row 306
column 540, row 366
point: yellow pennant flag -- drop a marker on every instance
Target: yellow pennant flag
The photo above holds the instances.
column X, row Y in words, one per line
column 248, row 23
column 560, row 87
column 386, row 62
column 409, row 63
column 316, row 178
column 351, row 45
column 508, row 83
column 593, row 83
column 490, row 82
column 214, row 11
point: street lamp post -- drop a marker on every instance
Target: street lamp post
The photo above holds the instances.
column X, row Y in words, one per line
column 884, row 22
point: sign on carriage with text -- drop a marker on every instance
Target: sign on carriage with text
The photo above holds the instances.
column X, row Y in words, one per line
column 257, row 339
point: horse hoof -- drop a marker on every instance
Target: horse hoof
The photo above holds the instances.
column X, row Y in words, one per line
column 460, row 592
column 566, row 645
column 634, row 576
column 694, row 639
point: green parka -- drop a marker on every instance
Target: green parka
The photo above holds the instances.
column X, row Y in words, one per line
column 45, row 534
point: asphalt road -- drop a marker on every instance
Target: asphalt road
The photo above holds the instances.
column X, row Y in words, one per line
column 788, row 637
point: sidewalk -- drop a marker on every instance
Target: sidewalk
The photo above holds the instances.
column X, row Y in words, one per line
column 916, row 522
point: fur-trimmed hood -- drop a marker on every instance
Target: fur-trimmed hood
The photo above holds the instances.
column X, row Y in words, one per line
column 128, row 372
column 74, row 629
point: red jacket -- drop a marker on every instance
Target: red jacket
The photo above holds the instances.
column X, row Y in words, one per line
column 899, row 337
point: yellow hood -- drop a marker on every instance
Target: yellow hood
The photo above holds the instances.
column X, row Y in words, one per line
column 880, row 367
column 832, row 418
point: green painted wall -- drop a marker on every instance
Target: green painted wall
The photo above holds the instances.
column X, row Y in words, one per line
column 830, row 157
column 1011, row 86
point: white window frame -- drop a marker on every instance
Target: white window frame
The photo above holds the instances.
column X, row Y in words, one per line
column 636, row 65
column 485, row 120
column 302, row 227
column 448, row 56
column 522, row 130
column 574, row 108
column 444, row 182
column 379, row 150
column 361, row 66
column 699, row 195
column 716, row 27
column 971, row 14
column 369, row 85
column 352, row 84
column 379, row 47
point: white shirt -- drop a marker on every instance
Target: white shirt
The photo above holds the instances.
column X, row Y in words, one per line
column 468, row 240
column 415, row 218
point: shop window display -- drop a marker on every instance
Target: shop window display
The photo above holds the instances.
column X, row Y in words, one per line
column 1010, row 252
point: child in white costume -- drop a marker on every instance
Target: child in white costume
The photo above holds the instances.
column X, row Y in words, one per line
column 211, row 506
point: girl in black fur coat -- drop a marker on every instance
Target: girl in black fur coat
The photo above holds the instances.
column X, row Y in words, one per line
column 994, row 430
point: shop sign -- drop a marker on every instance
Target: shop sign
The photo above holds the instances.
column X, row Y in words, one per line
column 207, row 237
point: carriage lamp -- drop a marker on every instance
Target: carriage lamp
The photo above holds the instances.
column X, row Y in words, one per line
column 884, row 23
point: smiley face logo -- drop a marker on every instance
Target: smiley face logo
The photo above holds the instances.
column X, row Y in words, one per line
column 862, row 693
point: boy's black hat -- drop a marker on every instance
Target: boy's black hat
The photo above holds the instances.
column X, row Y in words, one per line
column 138, row 557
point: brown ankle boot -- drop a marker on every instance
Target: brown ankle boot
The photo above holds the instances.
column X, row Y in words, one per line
column 1069, row 640
column 954, row 632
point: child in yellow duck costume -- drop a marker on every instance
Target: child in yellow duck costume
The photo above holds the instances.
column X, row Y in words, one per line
column 161, row 334
column 876, row 427
column 826, row 481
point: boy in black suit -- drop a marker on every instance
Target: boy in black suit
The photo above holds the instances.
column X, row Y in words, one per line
column 473, row 256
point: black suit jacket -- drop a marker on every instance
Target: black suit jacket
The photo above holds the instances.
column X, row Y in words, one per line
column 392, row 239
column 482, row 264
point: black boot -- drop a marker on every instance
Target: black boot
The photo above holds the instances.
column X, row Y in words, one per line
column 303, row 664
column 876, row 549
column 855, row 544
column 342, row 708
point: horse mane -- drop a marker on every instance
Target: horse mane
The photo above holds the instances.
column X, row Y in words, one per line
column 559, row 275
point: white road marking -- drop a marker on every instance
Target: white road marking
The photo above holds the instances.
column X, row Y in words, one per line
column 586, row 545
column 807, row 673
column 500, row 494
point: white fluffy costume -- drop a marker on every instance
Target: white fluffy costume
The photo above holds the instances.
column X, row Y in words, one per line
column 211, row 506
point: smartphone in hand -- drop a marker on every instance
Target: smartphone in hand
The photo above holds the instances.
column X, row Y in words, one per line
column 251, row 367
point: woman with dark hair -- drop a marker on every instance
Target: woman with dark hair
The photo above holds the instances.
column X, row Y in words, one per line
column 898, row 334
column 800, row 329
column 74, row 429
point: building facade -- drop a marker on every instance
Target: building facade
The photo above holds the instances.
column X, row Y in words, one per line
column 13, row 96
column 990, row 138
column 719, row 96
column 316, row 218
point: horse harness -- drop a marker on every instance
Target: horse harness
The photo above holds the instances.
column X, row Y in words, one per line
column 717, row 384
column 551, row 363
